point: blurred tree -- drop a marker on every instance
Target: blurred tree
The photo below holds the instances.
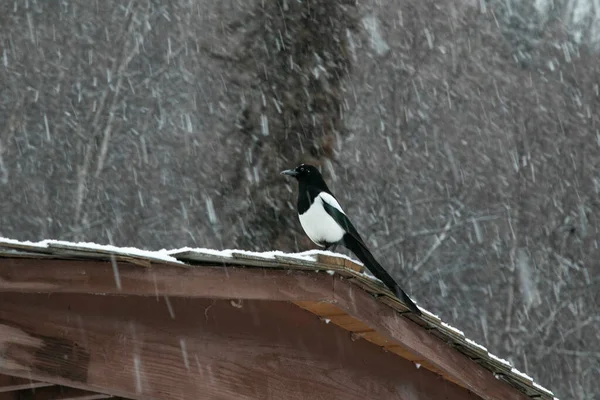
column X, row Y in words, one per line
column 289, row 59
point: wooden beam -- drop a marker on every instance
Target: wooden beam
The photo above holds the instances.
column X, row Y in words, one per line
column 449, row 362
column 60, row 393
column 102, row 277
column 90, row 276
column 203, row 348
column 12, row 384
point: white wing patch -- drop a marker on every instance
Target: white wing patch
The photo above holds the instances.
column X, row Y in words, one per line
column 329, row 199
column 318, row 224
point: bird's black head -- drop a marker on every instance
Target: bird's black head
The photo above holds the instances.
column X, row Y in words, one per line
column 306, row 173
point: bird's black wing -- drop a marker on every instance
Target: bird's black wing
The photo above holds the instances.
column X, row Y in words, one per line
column 354, row 243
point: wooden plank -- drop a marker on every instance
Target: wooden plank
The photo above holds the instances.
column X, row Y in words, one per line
column 453, row 365
column 338, row 261
column 404, row 353
column 377, row 338
column 12, row 384
column 251, row 258
column 290, row 260
column 321, row 308
column 24, row 246
column 57, row 392
column 349, row 323
column 213, row 349
column 22, row 254
column 71, row 254
column 132, row 255
column 92, row 276
column 197, row 256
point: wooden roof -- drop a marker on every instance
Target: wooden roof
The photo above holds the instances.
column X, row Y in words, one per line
column 332, row 287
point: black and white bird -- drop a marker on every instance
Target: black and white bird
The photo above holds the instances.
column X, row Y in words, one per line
column 326, row 224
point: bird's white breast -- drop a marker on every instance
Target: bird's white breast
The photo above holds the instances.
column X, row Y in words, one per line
column 319, row 226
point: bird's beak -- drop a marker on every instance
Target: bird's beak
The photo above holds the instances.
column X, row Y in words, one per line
column 289, row 172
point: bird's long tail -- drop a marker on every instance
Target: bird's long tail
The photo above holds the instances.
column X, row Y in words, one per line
column 364, row 255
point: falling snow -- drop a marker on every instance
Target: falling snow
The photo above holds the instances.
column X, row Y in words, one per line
column 378, row 44
column 461, row 138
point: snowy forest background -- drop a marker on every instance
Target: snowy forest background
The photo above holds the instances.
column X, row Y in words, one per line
column 462, row 136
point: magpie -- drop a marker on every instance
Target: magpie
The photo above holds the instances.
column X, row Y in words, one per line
column 327, row 225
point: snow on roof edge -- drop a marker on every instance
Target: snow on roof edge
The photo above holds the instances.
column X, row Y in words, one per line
column 125, row 251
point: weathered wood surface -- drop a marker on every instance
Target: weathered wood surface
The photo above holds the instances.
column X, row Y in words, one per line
column 102, row 277
column 421, row 344
column 15, row 388
column 378, row 323
column 13, row 384
column 202, row 348
column 55, row 392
